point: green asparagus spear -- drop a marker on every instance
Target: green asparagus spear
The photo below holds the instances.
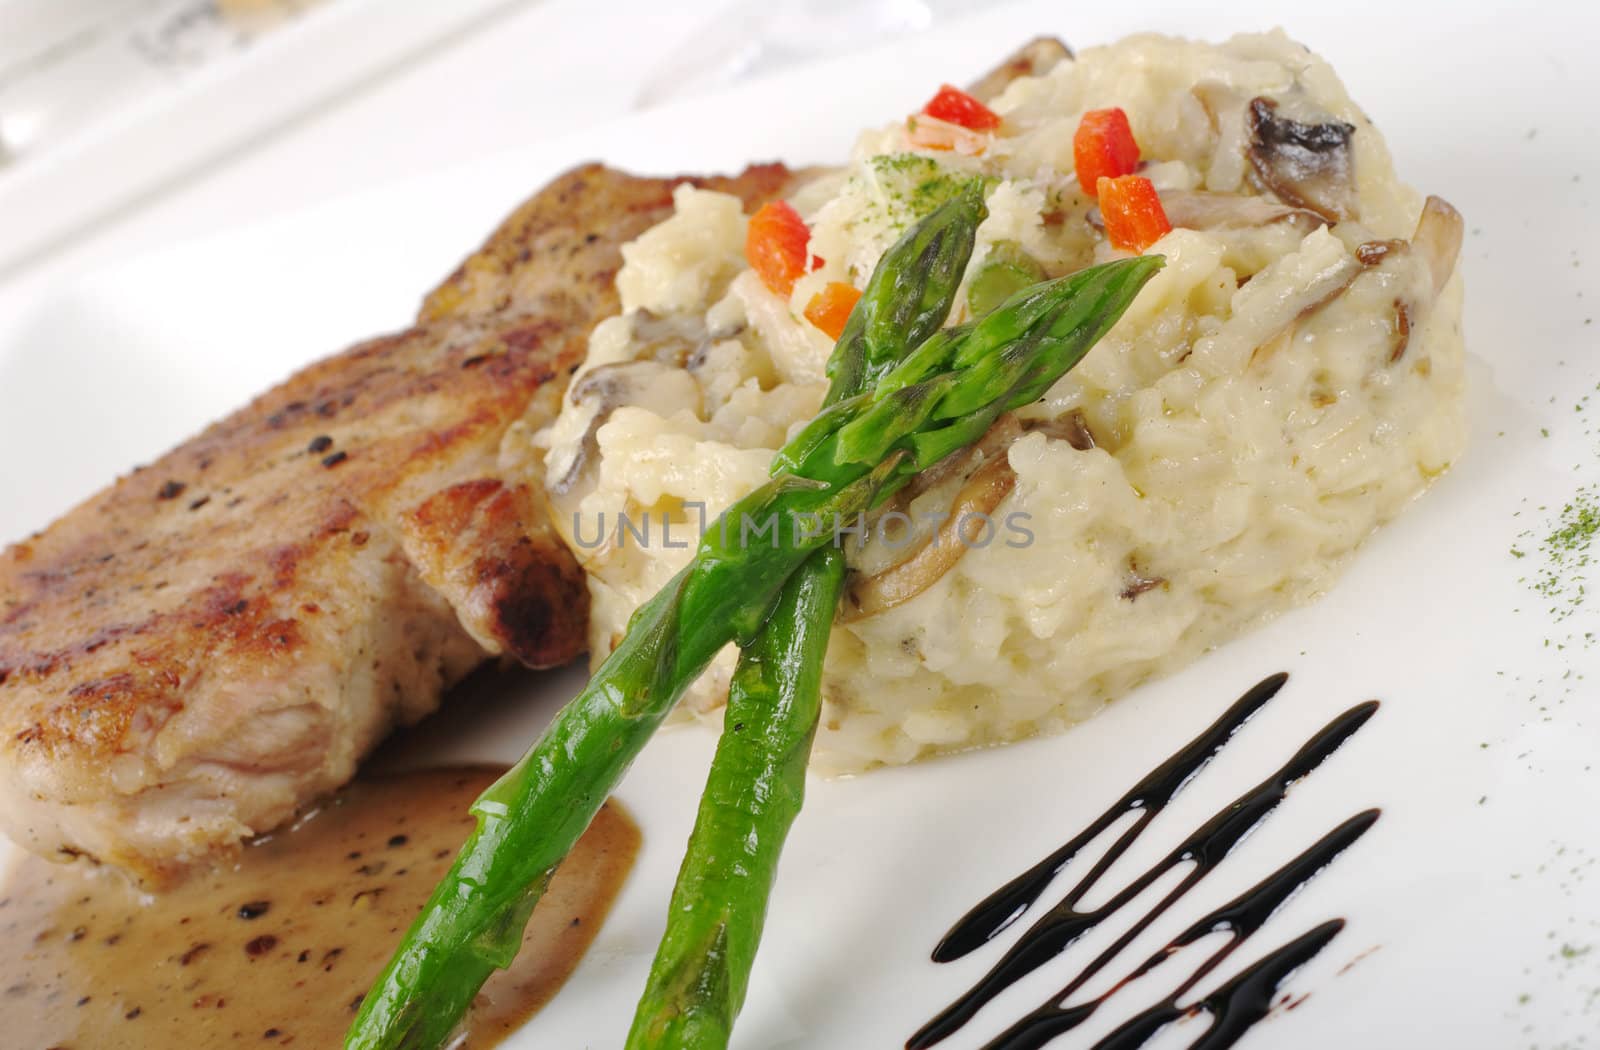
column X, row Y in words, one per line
column 755, row 791
column 948, row 391
column 756, row 784
column 529, row 819
column 908, row 296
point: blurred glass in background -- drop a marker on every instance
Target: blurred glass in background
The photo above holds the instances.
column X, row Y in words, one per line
column 67, row 65
column 754, row 37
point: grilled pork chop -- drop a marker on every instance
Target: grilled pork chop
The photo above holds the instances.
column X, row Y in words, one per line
column 198, row 651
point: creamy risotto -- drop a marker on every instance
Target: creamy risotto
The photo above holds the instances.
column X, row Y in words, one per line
column 1289, row 381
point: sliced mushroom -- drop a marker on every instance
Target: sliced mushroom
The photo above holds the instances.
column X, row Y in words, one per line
column 1373, row 253
column 1437, row 243
column 993, row 444
column 974, row 504
column 603, row 390
column 1438, row 239
column 1336, row 288
column 666, row 349
column 1297, row 285
column 1073, row 428
column 1201, row 210
column 671, row 339
column 1306, row 165
column 988, row 478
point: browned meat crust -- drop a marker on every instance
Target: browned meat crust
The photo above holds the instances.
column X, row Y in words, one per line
column 526, row 263
column 218, row 638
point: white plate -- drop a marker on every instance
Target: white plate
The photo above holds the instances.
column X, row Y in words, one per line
column 1472, row 885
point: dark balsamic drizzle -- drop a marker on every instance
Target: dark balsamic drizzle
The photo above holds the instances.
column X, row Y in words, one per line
column 1148, row 797
column 1240, row 918
column 1234, row 1005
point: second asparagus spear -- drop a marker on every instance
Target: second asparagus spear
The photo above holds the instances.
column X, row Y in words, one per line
column 756, row 784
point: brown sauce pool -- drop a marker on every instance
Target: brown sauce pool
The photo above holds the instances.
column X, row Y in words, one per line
column 279, row 950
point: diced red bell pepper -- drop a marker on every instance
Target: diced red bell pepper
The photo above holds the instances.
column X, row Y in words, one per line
column 1132, row 212
column 775, row 246
column 955, row 106
column 830, row 308
column 1103, row 148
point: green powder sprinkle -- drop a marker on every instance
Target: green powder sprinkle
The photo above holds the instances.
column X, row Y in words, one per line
column 1568, row 551
column 912, row 185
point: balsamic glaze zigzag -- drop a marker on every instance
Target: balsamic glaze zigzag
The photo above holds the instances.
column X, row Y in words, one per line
column 1234, row 1006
